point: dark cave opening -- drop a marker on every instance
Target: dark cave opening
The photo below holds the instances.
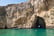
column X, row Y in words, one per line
column 40, row 23
column 5, row 26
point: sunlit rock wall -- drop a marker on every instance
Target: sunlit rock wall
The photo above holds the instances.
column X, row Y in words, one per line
column 24, row 15
column 19, row 15
column 45, row 9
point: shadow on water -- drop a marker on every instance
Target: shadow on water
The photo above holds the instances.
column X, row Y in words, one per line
column 40, row 23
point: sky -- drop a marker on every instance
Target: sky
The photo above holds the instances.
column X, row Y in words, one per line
column 6, row 2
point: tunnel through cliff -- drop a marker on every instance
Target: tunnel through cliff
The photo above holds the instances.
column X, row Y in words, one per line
column 39, row 23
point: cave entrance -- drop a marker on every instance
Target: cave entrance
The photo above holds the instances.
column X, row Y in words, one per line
column 5, row 26
column 40, row 23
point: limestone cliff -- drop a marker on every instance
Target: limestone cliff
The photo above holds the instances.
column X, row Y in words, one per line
column 31, row 14
column 45, row 9
column 2, row 17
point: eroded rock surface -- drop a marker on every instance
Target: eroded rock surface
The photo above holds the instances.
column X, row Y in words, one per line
column 25, row 15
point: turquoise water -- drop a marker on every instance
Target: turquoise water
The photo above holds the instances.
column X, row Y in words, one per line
column 26, row 32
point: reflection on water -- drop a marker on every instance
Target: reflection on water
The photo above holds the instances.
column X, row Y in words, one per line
column 27, row 32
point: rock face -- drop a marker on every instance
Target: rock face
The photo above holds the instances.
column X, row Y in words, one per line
column 2, row 17
column 32, row 14
column 19, row 15
column 46, row 11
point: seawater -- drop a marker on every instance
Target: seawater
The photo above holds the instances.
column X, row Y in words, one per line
column 26, row 32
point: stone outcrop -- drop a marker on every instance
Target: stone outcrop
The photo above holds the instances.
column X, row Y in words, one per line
column 31, row 14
